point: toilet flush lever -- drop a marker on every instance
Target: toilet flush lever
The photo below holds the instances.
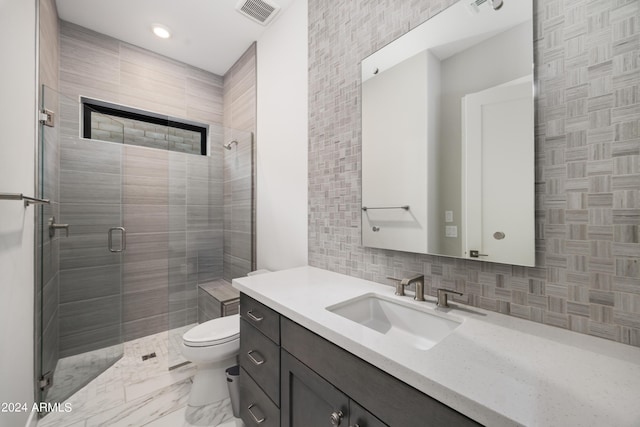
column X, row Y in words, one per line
column 53, row 227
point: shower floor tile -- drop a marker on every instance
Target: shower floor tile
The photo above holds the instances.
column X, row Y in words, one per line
column 139, row 393
column 175, row 344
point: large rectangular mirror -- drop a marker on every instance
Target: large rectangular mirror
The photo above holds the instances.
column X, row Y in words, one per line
column 448, row 136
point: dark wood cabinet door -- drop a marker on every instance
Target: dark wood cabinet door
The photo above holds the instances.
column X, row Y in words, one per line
column 307, row 399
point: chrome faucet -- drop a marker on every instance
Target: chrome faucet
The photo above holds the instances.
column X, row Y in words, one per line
column 442, row 297
column 418, row 279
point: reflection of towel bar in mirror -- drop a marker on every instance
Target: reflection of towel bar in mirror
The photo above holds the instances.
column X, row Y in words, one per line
column 27, row 200
column 405, row 207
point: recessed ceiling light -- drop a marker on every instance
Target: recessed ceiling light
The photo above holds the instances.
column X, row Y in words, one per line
column 161, row 31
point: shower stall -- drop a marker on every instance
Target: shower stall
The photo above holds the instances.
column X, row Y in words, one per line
column 140, row 215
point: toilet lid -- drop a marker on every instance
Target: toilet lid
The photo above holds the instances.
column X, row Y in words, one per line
column 213, row 332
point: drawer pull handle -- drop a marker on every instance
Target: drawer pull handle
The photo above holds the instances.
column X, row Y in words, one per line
column 254, row 317
column 256, row 419
column 336, row 418
column 255, row 361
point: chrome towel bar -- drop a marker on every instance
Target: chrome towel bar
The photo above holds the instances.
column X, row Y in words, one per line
column 27, row 200
column 405, row 207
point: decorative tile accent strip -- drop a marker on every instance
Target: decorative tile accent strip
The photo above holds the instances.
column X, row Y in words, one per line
column 587, row 277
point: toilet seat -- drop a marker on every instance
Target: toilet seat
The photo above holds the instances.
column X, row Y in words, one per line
column 213, row 332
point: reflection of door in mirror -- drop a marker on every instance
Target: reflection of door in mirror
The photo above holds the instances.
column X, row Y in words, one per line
column 498, row 152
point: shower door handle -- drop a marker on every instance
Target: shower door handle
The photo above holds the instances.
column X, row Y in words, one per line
column 123, row 245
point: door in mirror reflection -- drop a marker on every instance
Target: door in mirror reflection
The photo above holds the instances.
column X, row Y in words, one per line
column 498, row 200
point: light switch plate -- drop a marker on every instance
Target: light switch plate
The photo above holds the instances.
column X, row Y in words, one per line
column 451, row 231
column 448, row 216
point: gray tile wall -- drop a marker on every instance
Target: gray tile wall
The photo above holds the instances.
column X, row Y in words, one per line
column 239, row 177
column 172, row 203
column 587, row 277
column 195, row 224
column 90, row 276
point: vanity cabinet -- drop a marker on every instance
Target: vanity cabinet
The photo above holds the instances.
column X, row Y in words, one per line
column 291, row 377
column 259, row 364
column 390, row 400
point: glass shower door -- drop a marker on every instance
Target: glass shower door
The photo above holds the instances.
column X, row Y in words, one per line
column 80, row 249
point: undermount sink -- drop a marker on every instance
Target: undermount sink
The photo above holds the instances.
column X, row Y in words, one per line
column 400, row 321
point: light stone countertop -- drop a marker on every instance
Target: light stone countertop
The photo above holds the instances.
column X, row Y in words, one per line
column 496, row 369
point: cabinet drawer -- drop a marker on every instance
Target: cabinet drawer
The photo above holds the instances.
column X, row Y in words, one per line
column 260, row 357
column 256, row 410
column 260, row 316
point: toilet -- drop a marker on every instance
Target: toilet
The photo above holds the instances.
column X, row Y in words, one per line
column 213, row 346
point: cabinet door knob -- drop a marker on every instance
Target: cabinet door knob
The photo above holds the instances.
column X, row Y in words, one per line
column 336, row 418
column 256, row 419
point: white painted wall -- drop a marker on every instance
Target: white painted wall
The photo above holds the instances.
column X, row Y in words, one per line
column 394, row 115
column 282, row 141
column 17, row 148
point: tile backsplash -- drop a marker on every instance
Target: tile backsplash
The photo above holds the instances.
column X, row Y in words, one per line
column 587, row 76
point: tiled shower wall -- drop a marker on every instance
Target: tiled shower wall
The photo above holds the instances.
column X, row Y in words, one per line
column 171, row 202
column 587, row 274
column 239, row 216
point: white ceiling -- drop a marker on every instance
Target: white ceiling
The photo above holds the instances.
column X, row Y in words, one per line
column 208, row 34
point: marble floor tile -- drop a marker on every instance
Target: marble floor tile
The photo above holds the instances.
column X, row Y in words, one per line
column 104, row 392
column 236, row 422
column 209, row 415
column 143, row 410
column 174, row 419
column 218, row 414
column 152, row 384
column 136, row 393
column 73, row 372
column 175, row 343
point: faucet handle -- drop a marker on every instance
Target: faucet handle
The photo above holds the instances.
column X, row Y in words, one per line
column 400, row 284
column 442, row 296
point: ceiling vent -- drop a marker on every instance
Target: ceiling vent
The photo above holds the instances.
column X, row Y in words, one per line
column 260, row 11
